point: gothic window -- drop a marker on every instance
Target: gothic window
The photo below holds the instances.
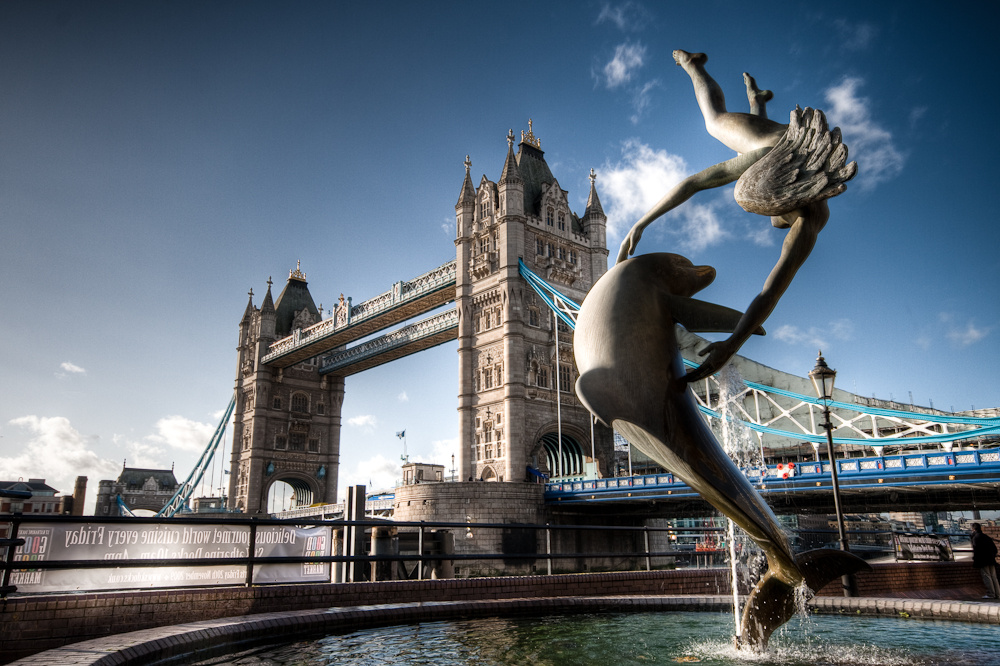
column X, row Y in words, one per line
column 499, row 449
column 484, row 245
column 487, row 379
column 489, row 451
column 562, row 253
column 562, row 221
column 276, row 404
column 296, row 441
column 279, row 442
column 563, row 328
column 565, row 378
column 543, row 377
column 549, row 215
column 479, row 385
column 572, row 256
column 533, row 317
column 487, row 322
column 321, row 408
column 539, row 247
column 300, row 403
column 476, row 322
column 496, row 315
column 499, row 377
column 548, row 249
column 314, row 445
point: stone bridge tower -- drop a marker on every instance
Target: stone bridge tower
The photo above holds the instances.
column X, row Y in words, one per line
column 509, row 363
column 287, row 421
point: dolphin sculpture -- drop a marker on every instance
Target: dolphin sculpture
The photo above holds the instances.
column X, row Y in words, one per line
column 632, row 379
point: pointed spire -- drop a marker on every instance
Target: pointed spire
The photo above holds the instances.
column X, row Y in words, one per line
column 248, row 313
column 593, row 202
column 268, row 304
column 468, row 193
column 510, row 171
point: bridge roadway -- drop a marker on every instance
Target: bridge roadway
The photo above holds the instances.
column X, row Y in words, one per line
column 404, row 301
column 940, row 481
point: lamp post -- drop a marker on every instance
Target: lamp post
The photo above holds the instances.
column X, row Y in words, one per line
column 823, row 377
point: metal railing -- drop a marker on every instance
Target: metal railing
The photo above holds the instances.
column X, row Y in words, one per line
column 421, row 552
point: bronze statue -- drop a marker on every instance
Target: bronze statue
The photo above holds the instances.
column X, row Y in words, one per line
column 784, row 171
column 631, row 373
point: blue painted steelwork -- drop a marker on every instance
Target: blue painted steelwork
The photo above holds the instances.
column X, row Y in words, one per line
column 918, row 469
column 564, row 306
column 186, row 489
column 567, row 309
column 123, row 508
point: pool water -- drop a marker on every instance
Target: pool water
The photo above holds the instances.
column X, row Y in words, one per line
column 621, row 639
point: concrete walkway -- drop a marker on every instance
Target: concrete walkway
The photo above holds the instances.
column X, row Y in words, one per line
column 186, row 643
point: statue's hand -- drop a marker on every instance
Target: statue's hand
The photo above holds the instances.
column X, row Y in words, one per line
column 717, row 355
column 630, row 243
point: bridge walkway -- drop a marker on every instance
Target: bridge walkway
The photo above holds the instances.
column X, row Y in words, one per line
column 404, row 301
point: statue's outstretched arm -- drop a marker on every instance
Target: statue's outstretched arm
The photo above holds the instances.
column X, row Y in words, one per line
column 714, row 176
column 795, row 250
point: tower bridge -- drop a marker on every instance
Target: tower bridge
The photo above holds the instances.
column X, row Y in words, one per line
column 524, row 259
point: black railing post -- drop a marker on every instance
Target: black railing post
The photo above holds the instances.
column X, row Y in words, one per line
column 5, row 586
column 250, row 554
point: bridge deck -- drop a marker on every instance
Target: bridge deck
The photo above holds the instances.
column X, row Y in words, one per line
column 404, row 301
column 408, row 340
column 938, row 481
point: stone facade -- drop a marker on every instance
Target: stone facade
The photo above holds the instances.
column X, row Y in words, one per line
column 287, row 421
column 140, row 489
column 509, row 364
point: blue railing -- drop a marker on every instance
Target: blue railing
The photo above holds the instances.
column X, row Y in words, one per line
column 930, row 468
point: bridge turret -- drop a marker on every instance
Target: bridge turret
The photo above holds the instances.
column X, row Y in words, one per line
column 595, row 225
column 465, row 209
column 511, row 183
column 268, row 316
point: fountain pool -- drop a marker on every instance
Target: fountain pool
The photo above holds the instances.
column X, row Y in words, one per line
column 619, row 639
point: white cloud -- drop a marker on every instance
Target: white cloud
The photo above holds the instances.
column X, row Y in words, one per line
column 627, row 17
column 621, row 68
column 402, row 397
column 967, row 335
column 642, row 99
column 855, row 36
column 177, row 432
column 640, row 179
column 72, row 368
column 377, row 473
column 57, row 452
column 869, row 143
column 839, row 329
column 366, row 421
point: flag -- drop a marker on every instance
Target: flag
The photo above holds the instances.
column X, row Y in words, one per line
column 401, row 434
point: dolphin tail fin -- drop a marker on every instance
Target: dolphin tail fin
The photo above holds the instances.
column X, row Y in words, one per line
column 773, row 600
column 822, row 565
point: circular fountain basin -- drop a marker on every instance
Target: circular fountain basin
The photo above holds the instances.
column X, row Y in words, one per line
column 625, row 639
column 641, row 620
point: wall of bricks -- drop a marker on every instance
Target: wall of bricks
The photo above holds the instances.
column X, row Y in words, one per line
column 32, row 624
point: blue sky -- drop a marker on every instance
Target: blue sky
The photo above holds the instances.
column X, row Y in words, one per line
column 159, row 159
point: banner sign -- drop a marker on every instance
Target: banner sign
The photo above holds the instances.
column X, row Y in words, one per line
column 124, row 541
column 923, row 547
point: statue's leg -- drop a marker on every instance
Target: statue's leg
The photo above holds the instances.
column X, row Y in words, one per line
column 758, row 98
column 741, row 132
column 711, row 99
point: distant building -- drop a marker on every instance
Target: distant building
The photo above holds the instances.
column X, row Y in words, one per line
column 422, row 473
column 146, row 489
column 43, row 499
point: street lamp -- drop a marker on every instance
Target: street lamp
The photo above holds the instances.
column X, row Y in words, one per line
column 822, row 377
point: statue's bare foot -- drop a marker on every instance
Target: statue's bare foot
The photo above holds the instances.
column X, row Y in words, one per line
column 758, row 98
column 685, row 59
